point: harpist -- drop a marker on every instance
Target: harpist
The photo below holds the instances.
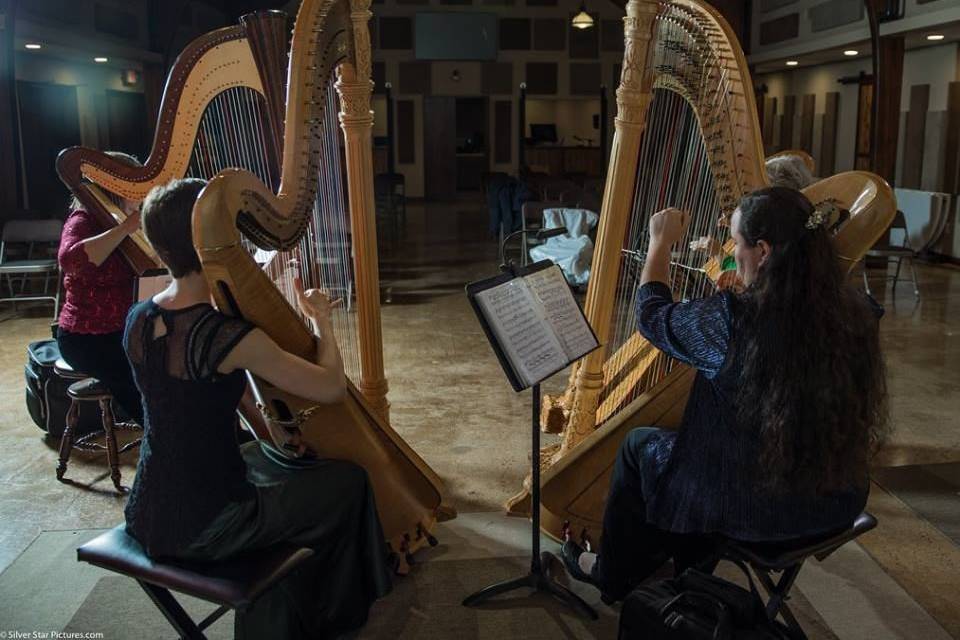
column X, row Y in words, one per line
column 788, row 399
column 197, row 495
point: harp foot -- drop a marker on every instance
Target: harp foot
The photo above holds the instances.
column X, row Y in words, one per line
column 446, row 512
column 518, row 505
column 399, row 564
column 553, row 414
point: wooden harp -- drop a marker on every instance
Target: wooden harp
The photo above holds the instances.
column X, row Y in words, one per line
column 221, row 107
column 317, row 223
column 687, row 135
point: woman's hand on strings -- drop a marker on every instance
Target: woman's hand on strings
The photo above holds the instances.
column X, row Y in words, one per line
column 668, row 226
column 314, row 303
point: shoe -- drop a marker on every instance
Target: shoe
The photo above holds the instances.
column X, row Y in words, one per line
column 570, row 552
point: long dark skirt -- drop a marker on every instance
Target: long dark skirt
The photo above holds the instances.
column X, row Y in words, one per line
column 329, row 508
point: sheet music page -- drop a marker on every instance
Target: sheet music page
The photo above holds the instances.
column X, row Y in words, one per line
column 522, row 330
column 550, row 288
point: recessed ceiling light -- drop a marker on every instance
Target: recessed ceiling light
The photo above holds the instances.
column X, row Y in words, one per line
column 792, row 63
column 32, row 45
column 935, row 36
column 101, row 59
column 851, row 52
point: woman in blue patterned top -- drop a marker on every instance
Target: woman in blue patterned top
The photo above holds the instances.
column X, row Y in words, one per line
column 787, row 405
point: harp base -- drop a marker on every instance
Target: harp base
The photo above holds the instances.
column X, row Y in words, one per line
column 539, row 578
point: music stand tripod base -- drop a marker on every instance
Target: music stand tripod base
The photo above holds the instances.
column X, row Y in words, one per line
column 539, row 578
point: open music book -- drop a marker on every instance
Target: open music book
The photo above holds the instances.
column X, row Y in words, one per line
column 533, row 322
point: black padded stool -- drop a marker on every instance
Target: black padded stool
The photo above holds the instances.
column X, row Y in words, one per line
column 767, row 558
column 232, row 584
column 87, row 389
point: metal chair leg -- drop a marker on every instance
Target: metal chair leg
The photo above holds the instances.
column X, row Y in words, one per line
column 173, row 612
column 866, row 282
column 913, row 274
column 896, row 274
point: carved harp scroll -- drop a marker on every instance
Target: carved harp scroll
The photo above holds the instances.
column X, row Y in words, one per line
column 227, row 80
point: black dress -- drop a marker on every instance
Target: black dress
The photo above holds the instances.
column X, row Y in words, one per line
column 198, row 495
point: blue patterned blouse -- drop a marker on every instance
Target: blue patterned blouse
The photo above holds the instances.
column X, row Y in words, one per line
column 702, row 478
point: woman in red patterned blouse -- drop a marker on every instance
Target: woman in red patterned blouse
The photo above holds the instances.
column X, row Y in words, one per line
column 98, row 287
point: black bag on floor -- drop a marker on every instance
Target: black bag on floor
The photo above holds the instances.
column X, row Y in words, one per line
column 46, row 393
column 696, row 606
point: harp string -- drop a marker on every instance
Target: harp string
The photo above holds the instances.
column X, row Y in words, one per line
column 232, row 134
column 673, row 170
column 323, row 258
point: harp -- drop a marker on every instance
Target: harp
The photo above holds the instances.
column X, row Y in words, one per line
column 687, row 135
column 221, row 107
column 317, row 222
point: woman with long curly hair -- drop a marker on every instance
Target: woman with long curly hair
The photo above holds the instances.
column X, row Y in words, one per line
column 788, row 402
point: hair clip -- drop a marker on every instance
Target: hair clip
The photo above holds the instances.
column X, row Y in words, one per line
column 816, row 218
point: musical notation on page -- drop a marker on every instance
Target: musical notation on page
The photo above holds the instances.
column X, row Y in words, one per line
column 537, row 324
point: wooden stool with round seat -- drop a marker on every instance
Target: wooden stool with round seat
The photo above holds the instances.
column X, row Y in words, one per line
column 88, row 389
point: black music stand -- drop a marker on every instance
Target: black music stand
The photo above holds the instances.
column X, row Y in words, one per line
column 539, row 578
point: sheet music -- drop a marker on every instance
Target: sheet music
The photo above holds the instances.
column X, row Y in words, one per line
column 550, row 288
column 523, row 331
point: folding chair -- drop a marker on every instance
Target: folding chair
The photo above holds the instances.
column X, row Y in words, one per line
column 768, row 558
column 36, row 235
column 891, row 252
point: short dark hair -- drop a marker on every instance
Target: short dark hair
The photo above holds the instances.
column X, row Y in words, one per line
column 167, row 220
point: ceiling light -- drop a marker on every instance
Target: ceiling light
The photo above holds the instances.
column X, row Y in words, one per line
column 935, row 37
column 101, row 59
column 851, row 52
column 33, row 45
column 792, row 63
column 582, row 20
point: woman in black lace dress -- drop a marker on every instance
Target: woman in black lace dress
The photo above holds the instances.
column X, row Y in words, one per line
column 788, row 400
column 198, row 494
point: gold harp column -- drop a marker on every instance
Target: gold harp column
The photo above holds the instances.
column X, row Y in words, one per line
column 356, row 118
column 633, row 98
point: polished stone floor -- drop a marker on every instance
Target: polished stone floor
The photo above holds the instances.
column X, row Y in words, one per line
column 452, row 404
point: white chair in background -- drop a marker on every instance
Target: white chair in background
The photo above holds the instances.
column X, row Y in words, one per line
column 37, row 260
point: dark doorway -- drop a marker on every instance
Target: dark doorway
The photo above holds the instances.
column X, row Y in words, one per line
column 127, row 123
column 472, row 142
column 439, row 148
column 49, row 123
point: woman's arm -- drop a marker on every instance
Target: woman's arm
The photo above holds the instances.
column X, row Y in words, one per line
column 321, row 381
column 99, row 247
column 79, row 247
column 696, row 332
column 666, row 229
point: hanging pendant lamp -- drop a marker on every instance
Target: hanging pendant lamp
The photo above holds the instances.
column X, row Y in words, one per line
column 582, row 20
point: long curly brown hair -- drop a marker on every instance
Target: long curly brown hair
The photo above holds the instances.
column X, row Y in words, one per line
column 813, row 378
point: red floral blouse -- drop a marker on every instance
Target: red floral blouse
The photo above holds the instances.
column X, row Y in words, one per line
column 96, row 298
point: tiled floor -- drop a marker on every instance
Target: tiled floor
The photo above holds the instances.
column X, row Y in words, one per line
column 450, row 401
